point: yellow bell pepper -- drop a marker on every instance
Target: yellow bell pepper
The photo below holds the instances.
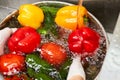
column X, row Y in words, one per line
column 30, row 15
column 67, row 17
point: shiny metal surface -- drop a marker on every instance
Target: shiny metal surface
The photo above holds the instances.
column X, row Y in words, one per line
column 106, row 11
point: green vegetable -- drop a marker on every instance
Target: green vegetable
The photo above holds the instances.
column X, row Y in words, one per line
column 65, row 68
column 86, row 19
column 37, row 66
column 52, row 10
column 49, row 25
column 38, row 75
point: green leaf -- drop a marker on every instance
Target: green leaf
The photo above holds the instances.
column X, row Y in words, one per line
column 65, row 68
column 52, row 10
column 37, row 65
column 49, row 26
column 86, row 19
column 38, row 75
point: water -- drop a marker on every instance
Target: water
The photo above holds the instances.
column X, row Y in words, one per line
column 91, row 64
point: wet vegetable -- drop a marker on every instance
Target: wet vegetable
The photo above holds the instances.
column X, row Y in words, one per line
column 11, row 64
column 83, row 40
column 25, row 39
column 66, row 17
column 38, row 75
column 65, row 68
column 49, row 24
column 48, row 31
column 30, row 15
column 36, row 65
column 53, row 53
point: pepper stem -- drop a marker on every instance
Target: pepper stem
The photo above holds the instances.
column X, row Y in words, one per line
column 78, row 12
column 80, row 2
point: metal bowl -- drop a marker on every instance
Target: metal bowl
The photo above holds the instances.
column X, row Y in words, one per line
column 96, row 25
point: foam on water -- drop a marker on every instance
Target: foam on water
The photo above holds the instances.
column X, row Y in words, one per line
column 92, row 64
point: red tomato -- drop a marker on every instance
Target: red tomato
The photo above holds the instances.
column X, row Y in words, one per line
column 11, row 64
column 83, row 40
column 25, row 39
column 53, row 53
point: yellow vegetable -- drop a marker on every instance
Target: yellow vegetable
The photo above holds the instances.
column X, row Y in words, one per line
column 67, row 17
column 30, row 15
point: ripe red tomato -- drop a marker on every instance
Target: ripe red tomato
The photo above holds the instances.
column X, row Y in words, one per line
column 53, row 53
column 25, row 39
column 83, row 40
column 11, row 64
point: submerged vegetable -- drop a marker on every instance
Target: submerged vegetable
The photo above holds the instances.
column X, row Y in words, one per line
column 25, row 39
column 67, row 17
column 53, row 53
column 11, row 64
column 64, row 68
column 49, row 24
column 83, row 40
column 30, row 15
column 37, row 66
column 38, row 75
